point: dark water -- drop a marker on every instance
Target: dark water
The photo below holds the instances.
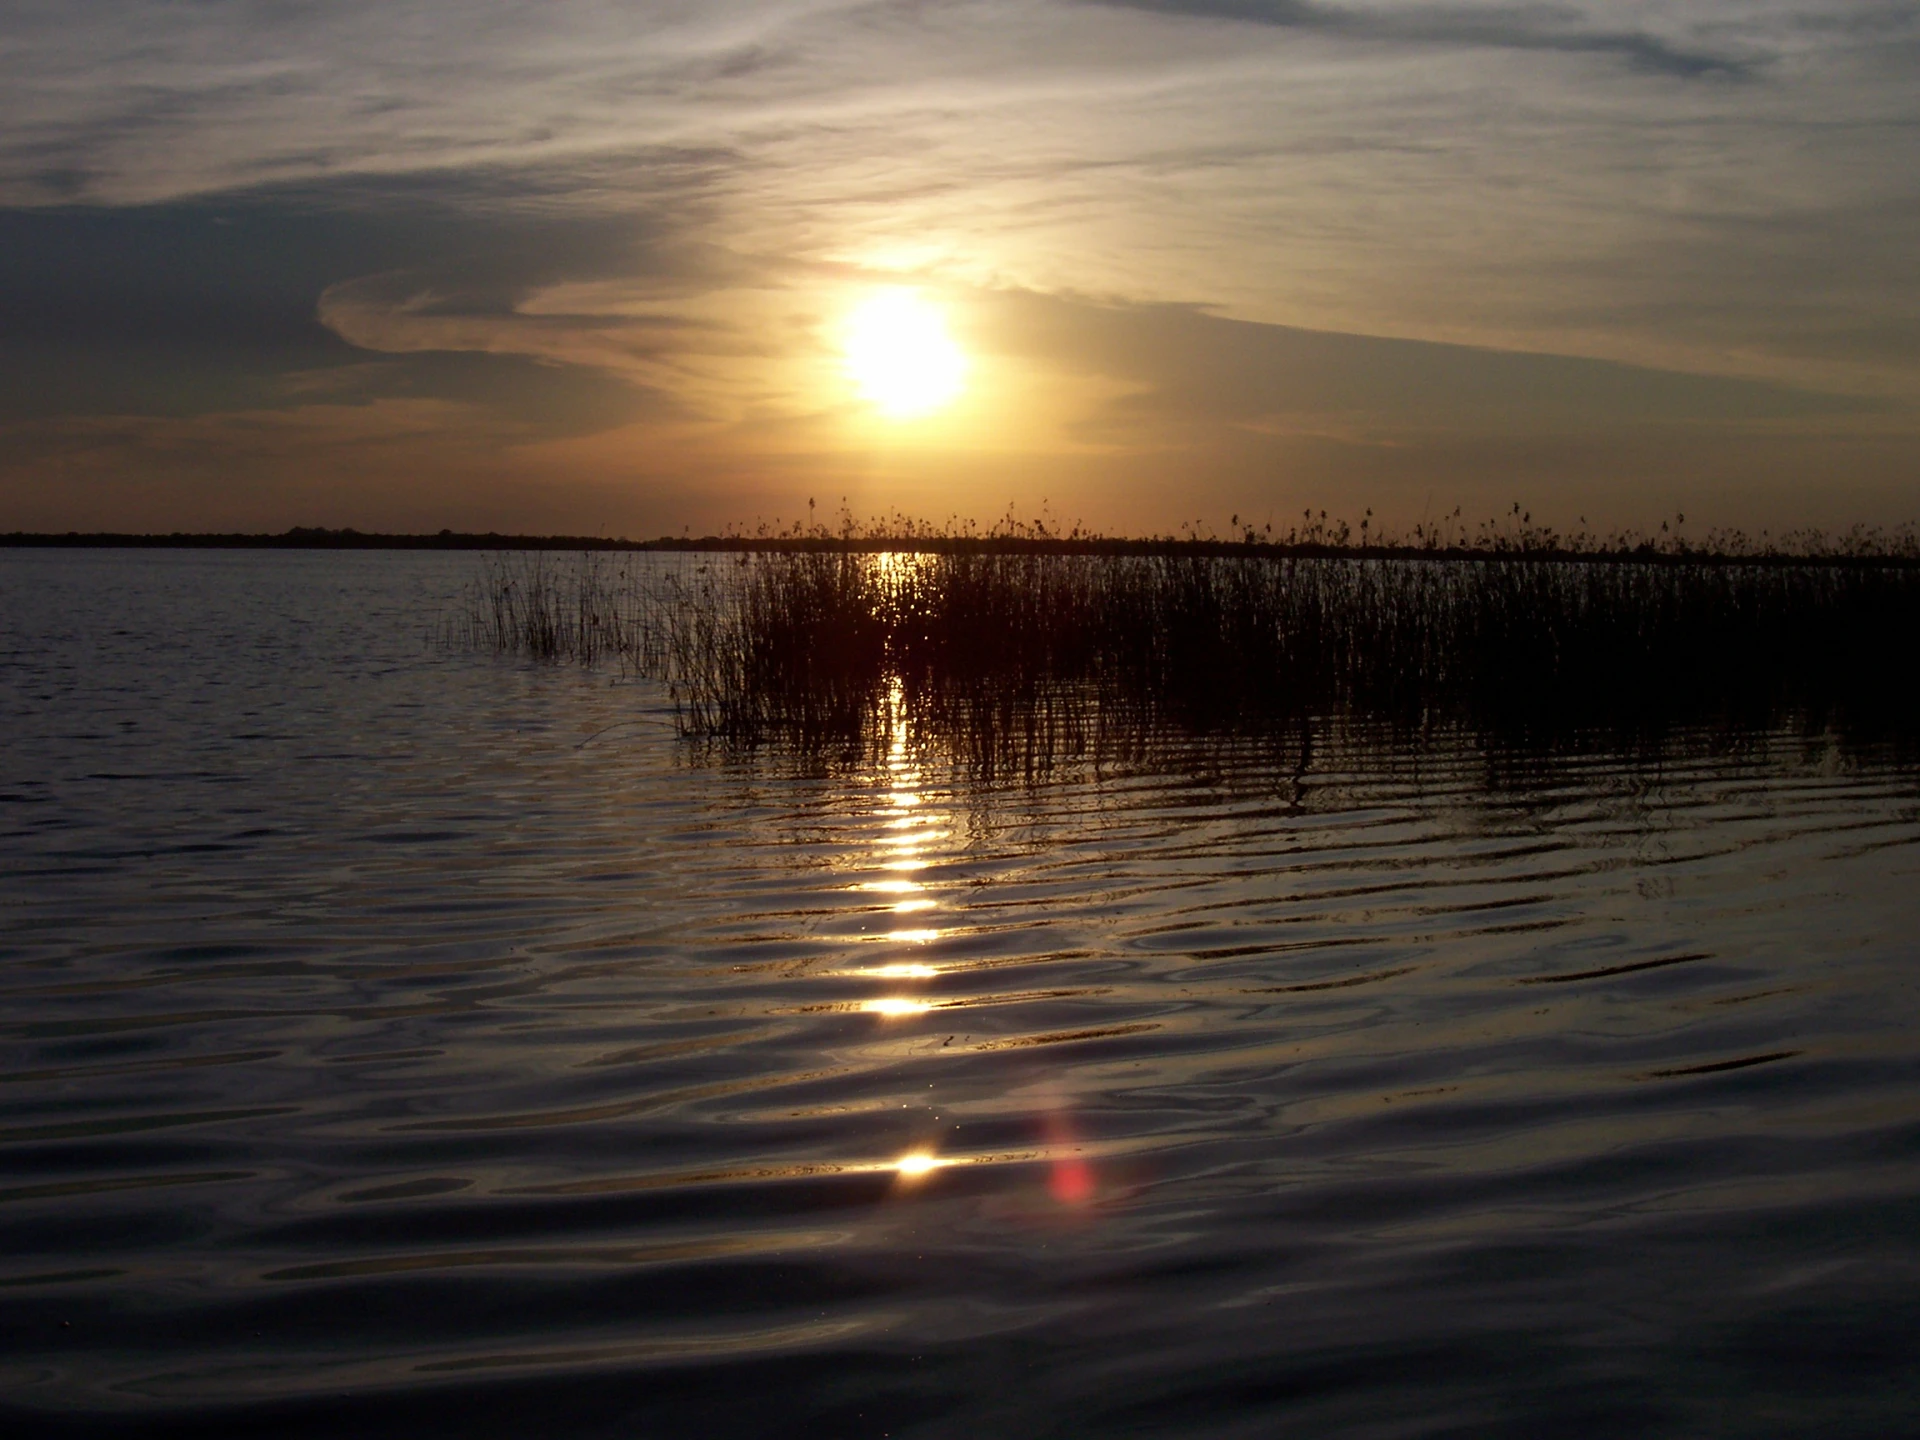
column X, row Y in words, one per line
column 389, row 1046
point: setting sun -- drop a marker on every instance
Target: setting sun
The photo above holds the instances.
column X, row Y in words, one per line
column 900, row 356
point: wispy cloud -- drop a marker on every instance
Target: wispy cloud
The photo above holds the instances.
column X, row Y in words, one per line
column 1499, row 27
column 1378, row 221
column 1190, row 368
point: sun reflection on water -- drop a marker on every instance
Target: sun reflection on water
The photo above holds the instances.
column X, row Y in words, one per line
column 917, row 1163
column 896, row 1005
column 909, row 831
column 900, row 972
column 1071, row 1182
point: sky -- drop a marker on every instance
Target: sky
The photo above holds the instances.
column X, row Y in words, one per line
column 600, row 267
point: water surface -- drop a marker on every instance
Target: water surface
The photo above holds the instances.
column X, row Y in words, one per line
column 397, row 1041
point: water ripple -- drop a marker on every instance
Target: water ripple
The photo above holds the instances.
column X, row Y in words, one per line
column 431, row 1047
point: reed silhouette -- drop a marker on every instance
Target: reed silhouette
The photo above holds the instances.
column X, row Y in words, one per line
column 1033, row 649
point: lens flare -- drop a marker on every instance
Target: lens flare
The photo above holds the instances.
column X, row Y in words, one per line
column 1070, row 1181
column 1070, row 1178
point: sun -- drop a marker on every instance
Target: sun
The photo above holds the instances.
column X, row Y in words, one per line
column 899, row 355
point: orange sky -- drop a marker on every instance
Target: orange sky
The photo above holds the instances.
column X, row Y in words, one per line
column 593, row 269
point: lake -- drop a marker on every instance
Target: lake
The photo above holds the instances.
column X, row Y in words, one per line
column 399, row 1039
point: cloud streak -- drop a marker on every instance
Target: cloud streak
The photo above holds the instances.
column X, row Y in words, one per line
column 1497, row 27
column 1316, row 242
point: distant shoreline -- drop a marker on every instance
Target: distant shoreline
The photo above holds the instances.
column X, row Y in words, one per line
column 1528, row 549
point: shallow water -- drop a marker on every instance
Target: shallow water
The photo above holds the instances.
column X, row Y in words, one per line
column 397, row 1041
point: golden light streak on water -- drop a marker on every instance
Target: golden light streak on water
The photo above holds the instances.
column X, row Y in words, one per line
column 896, row 1005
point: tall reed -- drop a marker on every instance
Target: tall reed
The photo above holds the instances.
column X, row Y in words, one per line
column 807, row 644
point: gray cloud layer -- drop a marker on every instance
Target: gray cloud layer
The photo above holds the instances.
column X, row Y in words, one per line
column 1498, row 27
column 1194, row 368
column 1377, row 215
column 209, row 305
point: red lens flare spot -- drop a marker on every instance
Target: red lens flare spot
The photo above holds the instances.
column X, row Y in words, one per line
column 1071, row 1182
column 1070, row 1179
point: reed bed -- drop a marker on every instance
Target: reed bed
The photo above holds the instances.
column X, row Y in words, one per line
column 1037, row 649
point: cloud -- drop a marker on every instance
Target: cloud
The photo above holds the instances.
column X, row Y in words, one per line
column 1186, row 369
column 1498, row 27
column 1326, row 235
column 1830, row 287
column 215, row 304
